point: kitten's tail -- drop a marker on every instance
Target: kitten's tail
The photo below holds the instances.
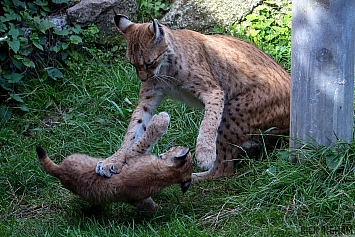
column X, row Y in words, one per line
column 46, row 163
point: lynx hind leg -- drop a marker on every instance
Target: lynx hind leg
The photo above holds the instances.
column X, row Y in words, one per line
column 243, row 118
column 154, row 131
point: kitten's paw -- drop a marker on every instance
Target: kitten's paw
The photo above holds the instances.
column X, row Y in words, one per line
column 106, row 170
column 160, row 122
column 205, row 158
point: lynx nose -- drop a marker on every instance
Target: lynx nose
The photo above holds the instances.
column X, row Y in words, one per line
column 143, row 76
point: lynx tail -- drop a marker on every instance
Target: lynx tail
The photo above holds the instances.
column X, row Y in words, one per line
column 41, row 152
column 47, row 165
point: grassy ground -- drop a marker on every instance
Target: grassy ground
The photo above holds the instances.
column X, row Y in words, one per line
column 88, row 112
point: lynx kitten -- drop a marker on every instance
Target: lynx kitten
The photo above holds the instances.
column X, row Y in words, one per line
column 243, row 91
column 142, row 176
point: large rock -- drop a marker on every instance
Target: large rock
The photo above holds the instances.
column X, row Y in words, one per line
column 101, row 13
column 204, row 15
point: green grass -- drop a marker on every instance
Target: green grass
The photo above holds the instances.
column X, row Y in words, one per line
column 88, row 112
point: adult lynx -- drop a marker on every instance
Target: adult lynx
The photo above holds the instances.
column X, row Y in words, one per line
column 142, row 176
column 243, row 90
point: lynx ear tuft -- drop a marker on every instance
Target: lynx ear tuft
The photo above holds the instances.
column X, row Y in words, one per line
column 156, row 29
column 122, row 22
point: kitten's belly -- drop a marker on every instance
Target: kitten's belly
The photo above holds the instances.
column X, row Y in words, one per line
column 185, row 97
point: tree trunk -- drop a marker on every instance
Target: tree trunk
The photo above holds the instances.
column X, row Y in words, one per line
column 322, row 81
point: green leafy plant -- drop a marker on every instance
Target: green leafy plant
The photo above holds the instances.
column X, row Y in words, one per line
column 30, row 45
column 153, row 9
column 269, row 28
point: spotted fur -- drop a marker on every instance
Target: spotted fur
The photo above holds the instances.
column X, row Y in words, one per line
column 142, row 175
column 243, row 91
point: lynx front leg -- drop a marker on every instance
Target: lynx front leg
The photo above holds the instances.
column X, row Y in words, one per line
column 206, row 140
column 149, row 100
column 223, row 166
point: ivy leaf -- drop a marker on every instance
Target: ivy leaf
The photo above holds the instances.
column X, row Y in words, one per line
column 64, row 55
column 36, row 41
column 253, row 32
column 37, row 45
column 42, row 40
column 18, row 3
column 45, row 25
column 60, row 1
column 45, row 8
column 26, row 49
column 36, row 20
column 15, row 97
column 10, row 17
column 14, row 33
column 40, row 3
column 77, row 29
column 5, row 114
column 14, row 77
column 17, row 62
column 28, row 63
column 54, row 73
column 74, row 39
column 261, row 8
column 252, row 17
column 56, row 48
column 14, row 45
column 62, row 32
column 2, row 55
column 65, row 46
column 4, row 84
column 3, row 27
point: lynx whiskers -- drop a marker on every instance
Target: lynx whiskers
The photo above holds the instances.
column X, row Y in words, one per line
column 242, row 89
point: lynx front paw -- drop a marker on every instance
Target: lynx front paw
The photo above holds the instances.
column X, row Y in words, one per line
column 106, row 170
column 205, row 157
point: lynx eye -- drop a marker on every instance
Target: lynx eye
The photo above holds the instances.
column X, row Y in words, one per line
column 151, row 64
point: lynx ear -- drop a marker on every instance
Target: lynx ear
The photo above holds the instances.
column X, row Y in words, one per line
column 122, row 22
column 156, row 29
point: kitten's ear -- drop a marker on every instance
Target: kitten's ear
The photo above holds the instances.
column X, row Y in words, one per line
column 185, row 185
column 122, row 22
column 156, row 29
column 181, row 156
column 183, row 153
